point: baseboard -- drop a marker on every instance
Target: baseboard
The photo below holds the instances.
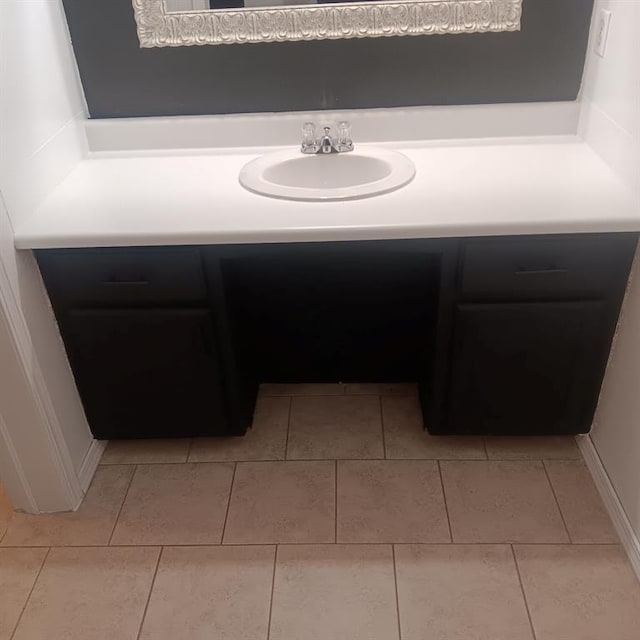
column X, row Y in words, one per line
column 90, row 463
column 628, row 537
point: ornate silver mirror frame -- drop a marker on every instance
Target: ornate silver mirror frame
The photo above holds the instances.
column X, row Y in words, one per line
column 157, row 28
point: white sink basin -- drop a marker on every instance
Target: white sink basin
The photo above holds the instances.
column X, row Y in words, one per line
column 367, row 171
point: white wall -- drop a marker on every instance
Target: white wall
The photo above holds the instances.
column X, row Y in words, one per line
column 610, row 117
column 42, row 110
column 610, row 123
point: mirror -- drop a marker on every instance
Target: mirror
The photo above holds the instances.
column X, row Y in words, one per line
column 175, row 23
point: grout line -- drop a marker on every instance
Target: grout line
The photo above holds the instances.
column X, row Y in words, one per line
column 447, row 459
column 222, row 461
column 310, row 395
column 126, row 494
column 153, row 582
column 286, row 442
column 444, row 498
column 395, row 580
column 273, row 586
column 555, row 497
column 310, row 542
column 335, row 500
column 4, row 533
column 189, row 450
column 177, row 545
column 484, row 458
column 486, row 451
column 384, row 442
column 226, row 515
column 524, row 595
column 33, row 586
column 338, row 395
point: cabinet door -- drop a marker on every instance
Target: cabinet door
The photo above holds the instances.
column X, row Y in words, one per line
column 146, row 372
column 525, row 368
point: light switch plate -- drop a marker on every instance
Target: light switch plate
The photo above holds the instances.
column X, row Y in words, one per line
column 602, row 31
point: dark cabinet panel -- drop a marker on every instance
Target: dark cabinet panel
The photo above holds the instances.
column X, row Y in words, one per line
column 146, row 372
column 546, row 267
column 525, row 368
column 347, row 312
column 171, row 276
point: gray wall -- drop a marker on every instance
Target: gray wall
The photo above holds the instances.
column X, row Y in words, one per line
column 543, row 62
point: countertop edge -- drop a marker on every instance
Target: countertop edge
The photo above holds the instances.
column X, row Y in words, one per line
column 550, row 187
column 32, row 242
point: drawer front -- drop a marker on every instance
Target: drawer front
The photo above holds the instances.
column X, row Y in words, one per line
column 544, row 267
column 124, row 276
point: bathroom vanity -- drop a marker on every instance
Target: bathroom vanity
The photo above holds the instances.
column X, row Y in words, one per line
column 494, row 279
column 505, row 335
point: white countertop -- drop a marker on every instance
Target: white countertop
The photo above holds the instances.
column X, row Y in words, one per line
column 461, row 188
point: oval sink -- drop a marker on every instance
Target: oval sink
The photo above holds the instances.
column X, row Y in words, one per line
column 367, row 171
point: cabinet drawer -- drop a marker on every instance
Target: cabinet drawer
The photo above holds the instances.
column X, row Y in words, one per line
column 543, row 267
column 124, row 276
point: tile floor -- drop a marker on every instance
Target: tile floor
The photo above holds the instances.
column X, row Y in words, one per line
column 335, row 517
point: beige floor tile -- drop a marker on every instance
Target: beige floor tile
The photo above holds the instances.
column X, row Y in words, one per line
column 304, row 389
column 501, row 501
column 97, row 593
column 406, row 438
column 534, row 448
column 391, row 501
column 334, row 592
column 335, row 427
column 6, row 512
column 580, row 592
column 211, row 592
column 18, row 571
column 175, row 504
column 266, row 440
column 382, row 389
column 274, row 502
column 91, row 524
column 146, row 451
column 460, row 592
column 584, row 514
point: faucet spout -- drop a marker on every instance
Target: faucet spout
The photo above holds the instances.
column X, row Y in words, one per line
column 326, row 142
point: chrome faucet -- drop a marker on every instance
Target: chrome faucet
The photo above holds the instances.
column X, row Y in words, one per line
column 326, row 143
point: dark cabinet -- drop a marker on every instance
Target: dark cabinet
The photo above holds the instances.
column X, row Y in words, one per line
column 531, row 324
column 147, row 342
column 146, row 372
column 525, row 368
column 505, row 335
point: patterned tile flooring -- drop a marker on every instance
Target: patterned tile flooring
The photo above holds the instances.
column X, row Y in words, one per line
column 335, row 517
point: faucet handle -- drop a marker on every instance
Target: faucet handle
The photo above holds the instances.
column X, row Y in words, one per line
column 309, row 138
column 308, row 132
column 344, row 141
